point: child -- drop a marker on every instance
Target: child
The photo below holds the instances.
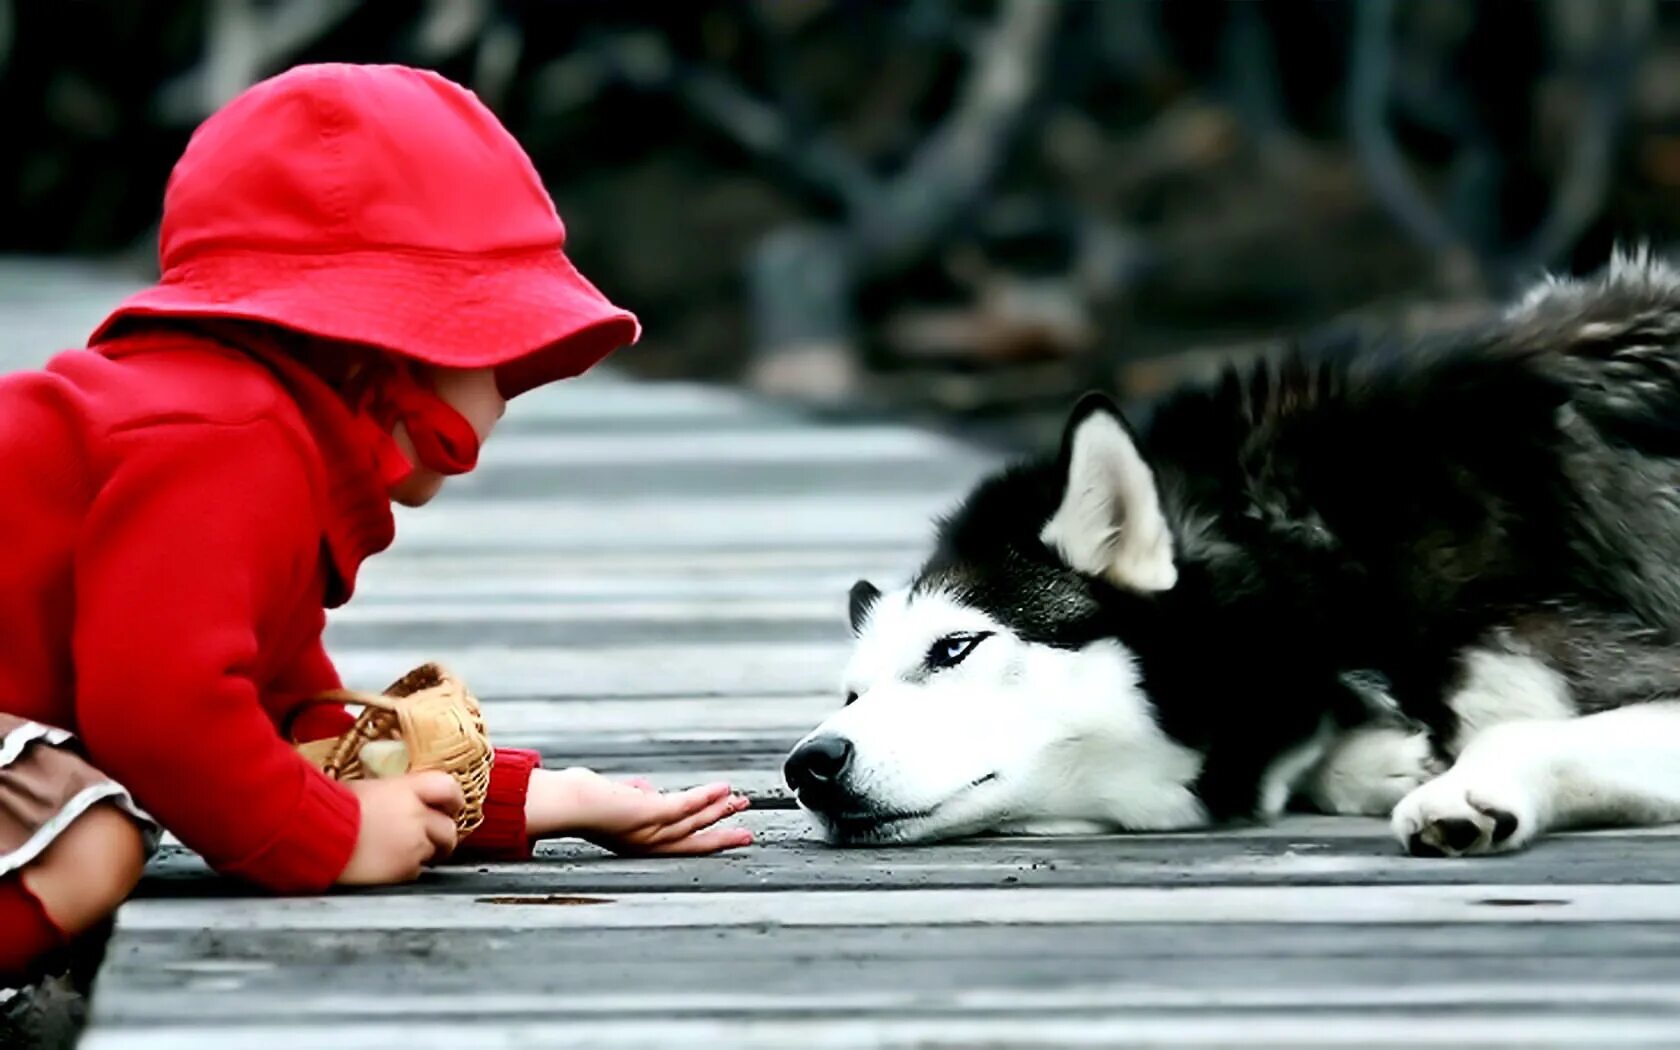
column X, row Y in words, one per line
column 359, row 266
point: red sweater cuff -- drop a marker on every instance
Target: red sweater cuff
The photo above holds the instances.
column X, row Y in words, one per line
column 314, row 846
column 502, row 835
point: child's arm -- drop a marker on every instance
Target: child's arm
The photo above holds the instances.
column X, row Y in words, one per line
column 631, row 817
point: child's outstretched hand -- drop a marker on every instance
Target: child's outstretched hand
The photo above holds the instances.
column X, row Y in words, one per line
column 631, row 817
column 407, row 822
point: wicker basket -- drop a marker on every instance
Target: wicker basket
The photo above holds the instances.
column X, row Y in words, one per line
column 433, row 714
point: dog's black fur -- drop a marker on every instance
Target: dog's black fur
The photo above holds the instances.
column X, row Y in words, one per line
column 1377, row 513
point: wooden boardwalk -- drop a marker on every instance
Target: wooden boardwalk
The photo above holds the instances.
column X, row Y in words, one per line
column 650, row 580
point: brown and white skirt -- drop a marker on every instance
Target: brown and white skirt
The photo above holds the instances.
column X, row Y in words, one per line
column 45, row 784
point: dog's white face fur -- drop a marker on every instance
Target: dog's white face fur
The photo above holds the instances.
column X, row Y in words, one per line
column 1014, row 737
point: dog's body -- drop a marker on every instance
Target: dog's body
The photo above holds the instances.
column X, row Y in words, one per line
column 1325, row 581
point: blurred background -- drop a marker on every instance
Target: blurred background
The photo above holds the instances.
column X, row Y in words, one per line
column 957, row 210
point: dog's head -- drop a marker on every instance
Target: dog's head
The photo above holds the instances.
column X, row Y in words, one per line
column 997, row 691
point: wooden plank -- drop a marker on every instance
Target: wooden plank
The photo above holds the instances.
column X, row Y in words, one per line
column 530, row 633
column 332, row 977
column 862, row 480
column 53, row 304
column 881, row 445
column 1321, row 1028
column 924, row 907
column 604, row 396
column 794, row 713
column 691, row 524
column 663, row 610
column 735, row 669
column 790, row 858
column 458, row 578
column 521, row 959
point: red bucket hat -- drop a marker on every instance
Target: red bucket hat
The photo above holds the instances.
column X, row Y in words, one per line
column 379, row 205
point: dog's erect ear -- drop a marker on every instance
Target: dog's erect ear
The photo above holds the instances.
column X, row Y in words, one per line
column 863, row 598
column 1110, row 523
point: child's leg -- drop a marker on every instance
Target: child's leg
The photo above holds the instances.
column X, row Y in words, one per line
column 88, row 871
column 75, row 884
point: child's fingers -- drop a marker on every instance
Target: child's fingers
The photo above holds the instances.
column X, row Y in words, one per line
column 683, row 804
column 727, row 806
column 712, row 840
column 439, row 791
column 442, row 832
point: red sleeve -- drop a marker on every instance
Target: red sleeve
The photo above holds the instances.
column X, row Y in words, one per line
column 311, row 674
column 502, row 836
column 198, row 533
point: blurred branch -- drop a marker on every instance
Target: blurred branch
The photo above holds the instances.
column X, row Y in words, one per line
column 448, row 27
column 1615, row 34
column 8, row 29
column 803, row 281
column 1129, row 38
column 1253, row 84
column 893, row 219
column 1622, row 29
column 1367, row 118
column 644, row 60
column 962, row 155
column 247, row 40
column 813, row 159
column 772, row 39
column 496, row 61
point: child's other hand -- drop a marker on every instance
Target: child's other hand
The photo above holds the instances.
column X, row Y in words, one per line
column 632, row 818
column 407, row 822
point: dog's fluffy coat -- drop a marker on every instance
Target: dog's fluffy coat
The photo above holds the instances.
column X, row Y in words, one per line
column 1324, row 579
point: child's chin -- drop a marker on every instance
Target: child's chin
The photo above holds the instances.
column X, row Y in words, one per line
column 417, row 489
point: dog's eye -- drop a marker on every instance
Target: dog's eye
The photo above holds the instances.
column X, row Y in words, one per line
column 953, row 649
column 851, row 698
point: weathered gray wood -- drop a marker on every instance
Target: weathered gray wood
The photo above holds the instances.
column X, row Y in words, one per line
column 539, row 958
column 969, row 1030
column 464, row 580
column 588, row 632
column 812, row 446
column 739, row 668
column 919, row 907
column 789, row 858
column 697, row 524
column 355, row 976
column 861, row 480
column 561, row 616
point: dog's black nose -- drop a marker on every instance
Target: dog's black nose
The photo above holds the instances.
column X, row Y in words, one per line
column 816, row 765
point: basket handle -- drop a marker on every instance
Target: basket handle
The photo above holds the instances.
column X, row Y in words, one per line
column 354, row 696
column 336, row 696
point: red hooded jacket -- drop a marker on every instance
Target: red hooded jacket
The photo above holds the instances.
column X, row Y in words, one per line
column 180, row 506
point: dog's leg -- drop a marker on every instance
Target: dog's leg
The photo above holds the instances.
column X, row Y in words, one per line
column 1366, row 771
column 1515, row 780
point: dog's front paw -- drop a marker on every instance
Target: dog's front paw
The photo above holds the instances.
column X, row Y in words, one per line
column 1461, row 814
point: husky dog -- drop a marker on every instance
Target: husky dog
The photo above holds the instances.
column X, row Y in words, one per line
column 1440, row 581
